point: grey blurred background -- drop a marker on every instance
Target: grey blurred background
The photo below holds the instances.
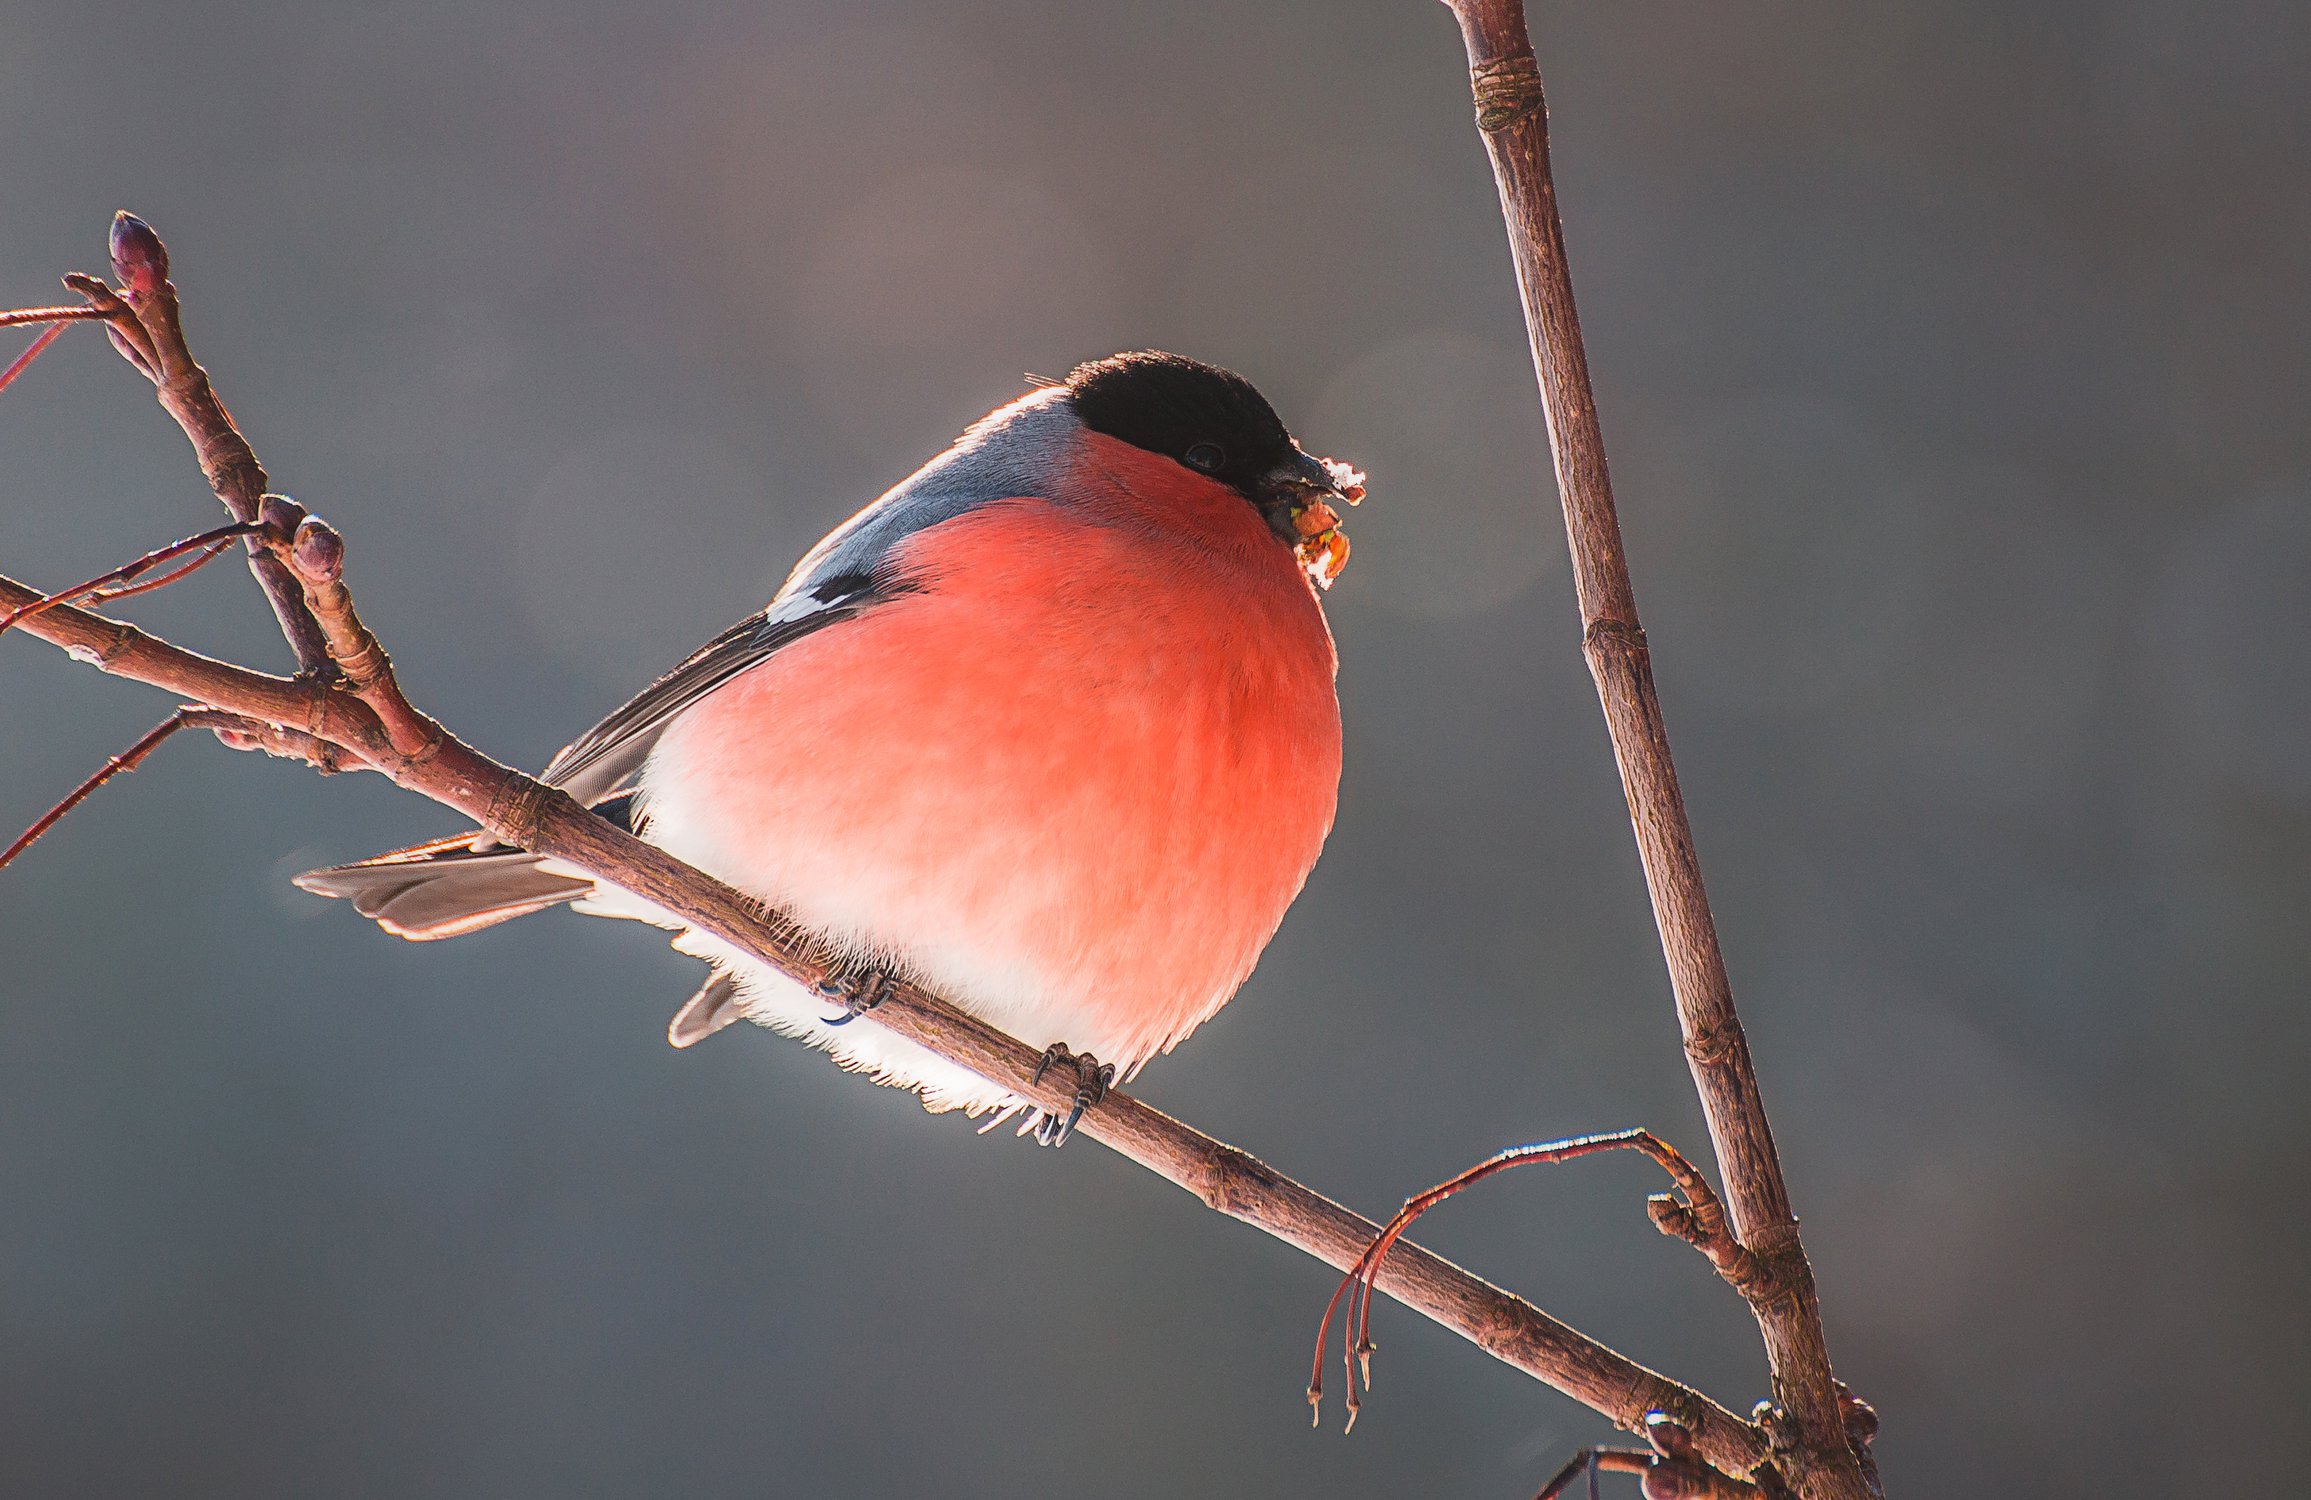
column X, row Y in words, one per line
column 1953, row 361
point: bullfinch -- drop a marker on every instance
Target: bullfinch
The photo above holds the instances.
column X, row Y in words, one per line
column 1050, row 728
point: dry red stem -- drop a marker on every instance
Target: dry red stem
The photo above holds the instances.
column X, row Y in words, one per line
column 24, row 317
column 1512, row 114
column 1699, row 1220
column 210, row 544
column 38, row 346
column 120, row 765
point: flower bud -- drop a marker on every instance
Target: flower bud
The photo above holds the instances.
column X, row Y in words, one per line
column 319, row 550
column 140, row 261
column 1669, row 1437
column 281, row 515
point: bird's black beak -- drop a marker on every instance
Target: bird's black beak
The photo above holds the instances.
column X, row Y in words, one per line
column 1301, row 500
column 1290, row 494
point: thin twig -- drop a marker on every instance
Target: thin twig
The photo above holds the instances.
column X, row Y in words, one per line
column 23, row 316
column 185, row 569
column 208, row 543
column 33, row 351
column 1670, row 1467
column 120, row 324
column 237, row 732
column 1512, row 115
column 1699, row 1221
column 120, row 765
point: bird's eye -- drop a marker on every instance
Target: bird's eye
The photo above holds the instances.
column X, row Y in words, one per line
column 1207, row 457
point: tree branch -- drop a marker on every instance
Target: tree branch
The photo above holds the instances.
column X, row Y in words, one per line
column 141, row 263
column 1513, row 116
column 361, row 715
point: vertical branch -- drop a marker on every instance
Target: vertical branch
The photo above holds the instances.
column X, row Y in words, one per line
column 1513, row 116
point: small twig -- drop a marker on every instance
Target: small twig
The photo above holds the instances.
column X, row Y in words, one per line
column 1699, row 1221
column 209, row 543
column 238, row 732
column 24, row 316
column 233, row 730
column 127, row 334
column 185, row 569
column 120, row 765
column 38, row 346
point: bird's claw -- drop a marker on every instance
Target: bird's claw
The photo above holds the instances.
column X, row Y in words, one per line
column 856, row 989
column 1093, row 1079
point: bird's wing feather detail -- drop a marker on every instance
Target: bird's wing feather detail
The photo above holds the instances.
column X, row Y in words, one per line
column 847, row 573
column 603, row 761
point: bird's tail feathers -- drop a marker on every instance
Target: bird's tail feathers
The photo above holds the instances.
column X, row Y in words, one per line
column 455, row 885
column 446, row 888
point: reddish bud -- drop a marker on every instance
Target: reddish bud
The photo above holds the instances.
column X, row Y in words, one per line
column 1668, row 1436
column 282, row 516
column 1665, row 1482
column 1861, row 1418
column 140, row 261
column 319, row 550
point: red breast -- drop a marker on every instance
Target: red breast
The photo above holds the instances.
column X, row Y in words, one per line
column 1074, row 775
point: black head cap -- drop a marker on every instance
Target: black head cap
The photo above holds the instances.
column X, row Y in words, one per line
column 1200, row 415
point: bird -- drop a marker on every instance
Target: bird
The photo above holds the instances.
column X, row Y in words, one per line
column 1050, row 728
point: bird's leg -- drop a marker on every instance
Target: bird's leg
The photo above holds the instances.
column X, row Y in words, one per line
column 856, row 987
column 1093, row 1078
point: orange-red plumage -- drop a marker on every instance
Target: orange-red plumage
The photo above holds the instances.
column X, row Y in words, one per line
column 1077, row 772
column 1050, row 726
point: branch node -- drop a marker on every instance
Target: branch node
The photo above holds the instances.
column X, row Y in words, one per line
column 518, row 808
column 1711, row 1046
column 1781, row 1433
column 1672, row 1218
column 1625, row 636
column 1507, row 90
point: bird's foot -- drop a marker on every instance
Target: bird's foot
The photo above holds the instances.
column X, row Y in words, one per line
column 855, row 988
column 1093, row 1078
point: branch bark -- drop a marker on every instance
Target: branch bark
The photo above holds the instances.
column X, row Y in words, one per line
column 1512, row 114
column 361, row 712
column 229, row 463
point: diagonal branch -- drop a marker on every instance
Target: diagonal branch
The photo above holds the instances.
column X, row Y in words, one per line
column 358, row 716
column 1513, row 116
column 533, row 816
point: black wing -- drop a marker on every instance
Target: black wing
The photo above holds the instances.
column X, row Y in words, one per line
column 603, row 761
